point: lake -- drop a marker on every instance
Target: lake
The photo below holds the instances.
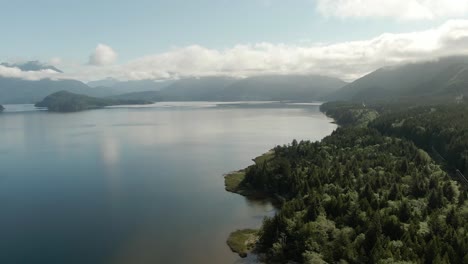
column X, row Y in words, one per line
column 136, row 184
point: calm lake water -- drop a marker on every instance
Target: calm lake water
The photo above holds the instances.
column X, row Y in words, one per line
column 135, row 185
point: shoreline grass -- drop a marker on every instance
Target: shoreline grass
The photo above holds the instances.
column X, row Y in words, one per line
column 243, row 241
column 233, row 180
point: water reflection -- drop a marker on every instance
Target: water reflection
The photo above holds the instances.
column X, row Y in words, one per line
column 135, row 185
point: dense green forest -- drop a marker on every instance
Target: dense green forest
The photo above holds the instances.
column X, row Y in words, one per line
column 69, row 102
column 368, row 193
column 350, row 114
column 440, row 128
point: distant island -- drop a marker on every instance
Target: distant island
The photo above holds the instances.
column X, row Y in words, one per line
column 64, row 101
column 2, row 108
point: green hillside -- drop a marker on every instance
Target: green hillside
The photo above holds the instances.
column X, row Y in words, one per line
column 441, row 80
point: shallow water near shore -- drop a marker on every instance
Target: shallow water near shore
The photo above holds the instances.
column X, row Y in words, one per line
column 136, row 184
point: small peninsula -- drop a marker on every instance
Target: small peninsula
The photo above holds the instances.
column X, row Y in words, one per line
column 235, row 181
column 64, row 101
column 243, row 241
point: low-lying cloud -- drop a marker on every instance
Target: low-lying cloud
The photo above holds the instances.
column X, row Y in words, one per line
column 346, row 60
column 14, row 72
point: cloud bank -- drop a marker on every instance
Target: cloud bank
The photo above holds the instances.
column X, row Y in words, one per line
column 399, row 9
column 14, row 72
column 102, row 55
column 345, row 60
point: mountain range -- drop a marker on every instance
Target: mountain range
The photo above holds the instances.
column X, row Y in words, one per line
column 120, row 87
column 19, row 91
column 445, row 78
column 259, row 88
column 268, row 87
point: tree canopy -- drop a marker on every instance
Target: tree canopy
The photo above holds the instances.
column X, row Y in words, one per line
column 370, row 192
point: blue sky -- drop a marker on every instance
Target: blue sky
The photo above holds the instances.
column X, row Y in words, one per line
column 134, row 30
column 43, row 29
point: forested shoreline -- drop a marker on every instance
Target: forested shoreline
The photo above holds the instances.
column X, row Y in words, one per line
column 370, row 192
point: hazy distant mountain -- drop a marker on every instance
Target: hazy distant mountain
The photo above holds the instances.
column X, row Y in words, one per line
column 197, row 89
column 31, row 66
column 282, row 87
column 108, row 82
column 271, row 87
column 120, row 87
column 190, row 89
column 445, row 78
column 153, row 96
column 15, row 90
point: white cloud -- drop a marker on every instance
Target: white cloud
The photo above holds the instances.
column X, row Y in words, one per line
column 400, row 9
column 102, row 55
column 346, row 60
column 13, row 72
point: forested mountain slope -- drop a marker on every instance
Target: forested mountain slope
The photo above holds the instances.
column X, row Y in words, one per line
column 443, row 79
column 362, row 195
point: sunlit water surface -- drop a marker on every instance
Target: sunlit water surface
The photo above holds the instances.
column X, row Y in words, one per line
column 135, row 185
